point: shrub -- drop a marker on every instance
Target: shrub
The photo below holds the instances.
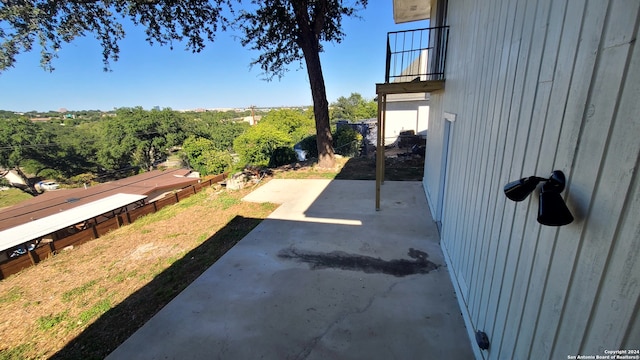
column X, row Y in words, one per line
column 347, row 141
column 283, row 156
column 85, row 178
column 310, row 145
column 257, row 144
column 203, row 156
column 215, row 162
column 291, row 122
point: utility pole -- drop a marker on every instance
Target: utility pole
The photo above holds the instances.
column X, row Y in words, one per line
column 253, row 115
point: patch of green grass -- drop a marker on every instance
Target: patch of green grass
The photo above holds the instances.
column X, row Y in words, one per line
column 306, row 174
column 14, row 294
column 13, row 196
column 50, row 321
column 268, row 206
column 174, row 235
column 101, row 291
column 226, row 200
column 17, row 353
column 76, row 292
column 168, row 212
column 157, row 268
column 95, row 311
column 202, row 237
column 121, row 277
column 31, row 303
column 171, row 259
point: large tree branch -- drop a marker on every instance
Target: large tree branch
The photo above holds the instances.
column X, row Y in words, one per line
column 320, row 13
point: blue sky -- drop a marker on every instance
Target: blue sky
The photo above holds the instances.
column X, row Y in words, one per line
column 218, row 77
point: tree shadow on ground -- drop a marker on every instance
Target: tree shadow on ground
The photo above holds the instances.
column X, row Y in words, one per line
column 399, row 168
column 120, row 322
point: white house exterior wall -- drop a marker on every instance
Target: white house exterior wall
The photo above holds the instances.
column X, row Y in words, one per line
column 403, row 116
column 406, row 115
column 540, row 85
column 433, row 155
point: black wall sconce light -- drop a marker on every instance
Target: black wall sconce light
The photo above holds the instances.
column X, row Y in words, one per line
column 552, row 210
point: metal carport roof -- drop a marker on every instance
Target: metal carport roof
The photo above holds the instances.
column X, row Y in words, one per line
column 37, row 228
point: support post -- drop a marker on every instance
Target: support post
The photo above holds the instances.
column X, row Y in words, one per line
column 384, row 125
column 379, row 151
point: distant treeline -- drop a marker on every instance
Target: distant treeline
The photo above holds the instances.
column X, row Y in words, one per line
column 79, row 147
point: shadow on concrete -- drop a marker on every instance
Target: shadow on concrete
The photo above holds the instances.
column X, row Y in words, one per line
column 326, row 276
column 119, row 323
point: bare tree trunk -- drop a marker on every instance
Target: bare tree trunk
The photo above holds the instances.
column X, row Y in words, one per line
column 308, row 40
column 326, row 158
column 29, row 187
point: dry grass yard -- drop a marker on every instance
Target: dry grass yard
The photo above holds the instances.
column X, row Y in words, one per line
column 83, row 303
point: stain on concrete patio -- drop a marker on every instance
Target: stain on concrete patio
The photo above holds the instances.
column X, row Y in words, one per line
column 367, row 264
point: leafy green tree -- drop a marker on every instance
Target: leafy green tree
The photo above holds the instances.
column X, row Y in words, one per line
column 203, row 156
column 4, row 114
column 194, row 147
column 223, row 133
column 294, row 123
column 288, row 31
column 74, row 150
column 138, row 137
column 282, row 31
column 216, row 162
column 256, row 146
column 21, row 141
column 355, row 107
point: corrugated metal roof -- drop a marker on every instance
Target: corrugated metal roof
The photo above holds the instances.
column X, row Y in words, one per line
column 40, row 227
column 53, row 202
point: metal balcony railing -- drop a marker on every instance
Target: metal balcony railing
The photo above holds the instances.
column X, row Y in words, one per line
column 416, row 55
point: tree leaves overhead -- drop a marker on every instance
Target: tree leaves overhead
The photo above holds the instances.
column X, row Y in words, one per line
column 50, row 24
column 276, row 29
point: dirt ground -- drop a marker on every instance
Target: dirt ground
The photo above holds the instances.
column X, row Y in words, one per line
column 409, row 168
column 400, row 165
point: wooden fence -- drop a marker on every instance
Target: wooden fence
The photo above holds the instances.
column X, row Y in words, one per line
column 94, row 231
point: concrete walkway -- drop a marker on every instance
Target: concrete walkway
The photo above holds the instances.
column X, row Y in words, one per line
column 324, row 277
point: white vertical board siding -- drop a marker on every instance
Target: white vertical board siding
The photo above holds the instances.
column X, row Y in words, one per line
column 433, row 154
column 539, row 85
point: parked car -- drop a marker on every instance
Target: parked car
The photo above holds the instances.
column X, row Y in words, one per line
column 48, row 185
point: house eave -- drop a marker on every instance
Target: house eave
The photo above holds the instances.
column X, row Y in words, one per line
column 411, row 10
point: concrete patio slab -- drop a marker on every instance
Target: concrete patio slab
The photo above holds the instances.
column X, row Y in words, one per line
column 325, row 276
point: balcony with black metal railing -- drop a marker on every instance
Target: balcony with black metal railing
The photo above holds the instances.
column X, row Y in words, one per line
column 415, row 61
column 415, row 64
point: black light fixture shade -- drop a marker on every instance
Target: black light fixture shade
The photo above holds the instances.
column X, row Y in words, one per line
column 552, row 210
column 519, row 190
